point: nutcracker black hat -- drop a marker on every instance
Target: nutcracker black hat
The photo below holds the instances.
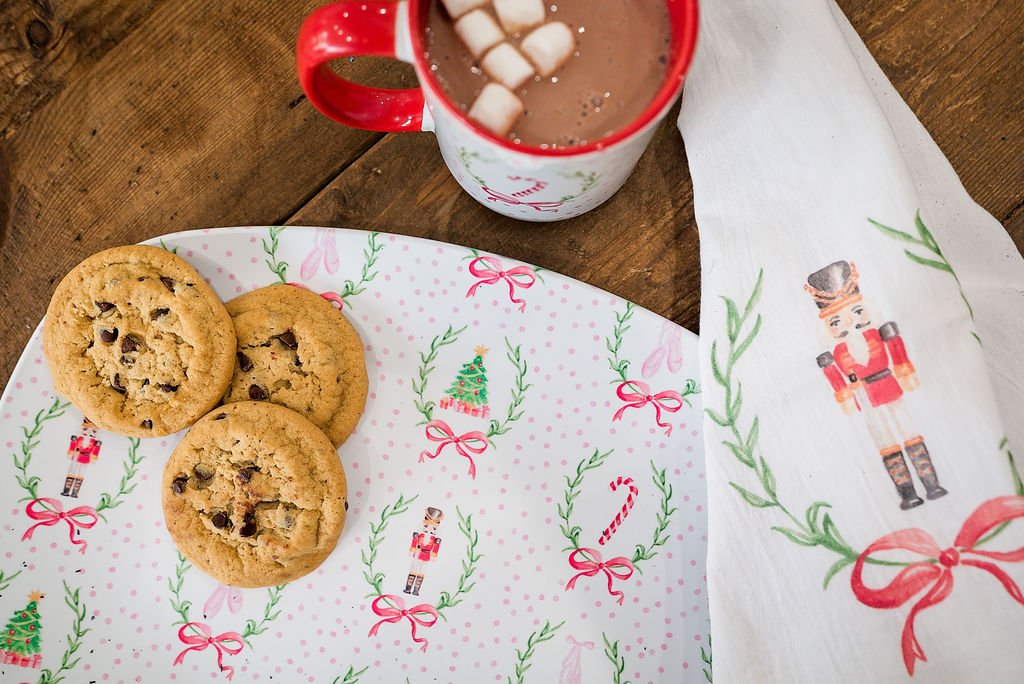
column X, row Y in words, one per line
column 433, row 516
column 834, row 287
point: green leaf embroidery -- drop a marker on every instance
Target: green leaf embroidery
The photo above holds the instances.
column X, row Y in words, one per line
column 523, row 657
column 751, row 498
column 893, row 233
column 940, row 265
column 834, row 570
column 795, row 536
column 611, row 652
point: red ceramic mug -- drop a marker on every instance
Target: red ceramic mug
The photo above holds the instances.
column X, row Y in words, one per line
column 521, row 181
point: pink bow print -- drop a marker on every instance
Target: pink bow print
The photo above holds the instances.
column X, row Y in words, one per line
column 669, row 400
column 324, row 251
column 51, row 511
column 520, row 276
column 205, row 638
column 572, row 669
column 936, row 572
column 439, row 431
column 589, row 567
column 397, row 611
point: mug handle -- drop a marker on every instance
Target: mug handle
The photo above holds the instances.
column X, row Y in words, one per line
column 344, row 29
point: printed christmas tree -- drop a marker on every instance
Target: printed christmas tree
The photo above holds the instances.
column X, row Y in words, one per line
column 468, row 393
column 21, row 634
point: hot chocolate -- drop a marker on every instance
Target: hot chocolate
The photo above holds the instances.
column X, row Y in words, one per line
column 611, row 73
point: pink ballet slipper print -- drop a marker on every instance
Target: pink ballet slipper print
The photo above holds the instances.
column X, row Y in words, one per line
column 572, row 669
column 668, row 351
column 232, row 596
column 324, row 250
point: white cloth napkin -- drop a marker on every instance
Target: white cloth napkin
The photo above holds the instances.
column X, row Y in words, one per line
column 831, row 455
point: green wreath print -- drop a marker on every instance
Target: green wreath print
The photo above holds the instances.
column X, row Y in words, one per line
column 589, row 562
column 46, row 511
column 391, row 608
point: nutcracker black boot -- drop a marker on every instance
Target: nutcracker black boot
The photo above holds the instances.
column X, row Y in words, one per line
column 410, row 581
column 922, row 460
column 78, row 485
column 897, row 467
column 68, row 481
column 416, row 587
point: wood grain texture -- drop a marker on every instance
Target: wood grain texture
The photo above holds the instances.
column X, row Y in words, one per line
column 123, row 120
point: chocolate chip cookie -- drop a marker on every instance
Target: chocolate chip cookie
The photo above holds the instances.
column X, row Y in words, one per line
column 297, row 350
column 138, row 342
column 255, row 495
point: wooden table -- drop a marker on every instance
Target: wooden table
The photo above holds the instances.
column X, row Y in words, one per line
column 124, row 120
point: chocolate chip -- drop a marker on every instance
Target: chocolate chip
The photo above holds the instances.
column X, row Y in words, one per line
column 158, row 313
column 141, row 279
column 244, row 362
column 346, row 505
column 249, row 526
column 125, row 361
column 245, row 475
column 168, row 283
column 220, row 520
column 104, row 306
column 202, row 473
column 148, row 424
column 220, row 416
column 257, row 393
column 116, row 384
column 168, row 388
column 288, row 339
column 145, row 381
column 108, row 336
column 298, row 362
column 178, row 486
column 129, row 344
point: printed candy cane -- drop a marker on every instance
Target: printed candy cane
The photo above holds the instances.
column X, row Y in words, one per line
column 621, row 515
column 537, row 186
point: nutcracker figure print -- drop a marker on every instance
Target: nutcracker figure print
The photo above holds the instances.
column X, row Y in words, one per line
column 424, row 548
column 83, row 450
column 869, row 371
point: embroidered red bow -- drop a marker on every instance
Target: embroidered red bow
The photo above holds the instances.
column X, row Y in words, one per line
column 520, row 276
column 669, row 400
column 205, row 638
column 439, row 431
column 589, row 567
column 495, row 196
column 397, row 611
column 936, row 572
column 51, row 511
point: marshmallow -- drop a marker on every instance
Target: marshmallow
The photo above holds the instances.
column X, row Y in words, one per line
column 456, row 8
column 479, row 32
column 505, row 65
column 516, row 15
column 549, row 47
column 496, row 109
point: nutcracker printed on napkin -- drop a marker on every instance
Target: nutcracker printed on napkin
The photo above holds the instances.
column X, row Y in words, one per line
column 423, row 549
column 869, row 370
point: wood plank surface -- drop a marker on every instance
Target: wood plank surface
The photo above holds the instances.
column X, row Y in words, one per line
column 126, row 119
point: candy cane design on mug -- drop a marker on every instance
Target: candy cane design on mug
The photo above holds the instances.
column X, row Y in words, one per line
column 46, row 511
